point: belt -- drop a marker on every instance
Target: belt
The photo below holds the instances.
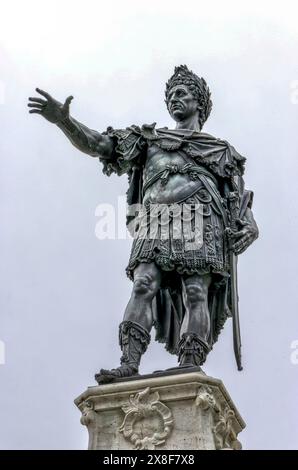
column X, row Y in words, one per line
column 193, row 170
column 196, row 172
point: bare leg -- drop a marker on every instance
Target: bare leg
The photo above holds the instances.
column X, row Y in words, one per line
column 134, row 331
column 195, row 296
column 193, row 346
column 147, row 277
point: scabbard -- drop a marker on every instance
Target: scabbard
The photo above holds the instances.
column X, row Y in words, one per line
column 235, row 309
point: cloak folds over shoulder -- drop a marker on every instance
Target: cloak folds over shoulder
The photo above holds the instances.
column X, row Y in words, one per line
column 227, row 166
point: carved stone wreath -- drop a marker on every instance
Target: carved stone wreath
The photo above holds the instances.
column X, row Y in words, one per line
column 145, row 406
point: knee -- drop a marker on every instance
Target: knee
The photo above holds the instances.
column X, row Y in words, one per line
column 145, row 286
column 196, row 293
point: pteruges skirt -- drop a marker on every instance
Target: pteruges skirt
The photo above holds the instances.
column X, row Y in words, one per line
column 195, row 245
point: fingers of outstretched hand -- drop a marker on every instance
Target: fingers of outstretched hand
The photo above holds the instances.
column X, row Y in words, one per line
column 37, row 100
column 37, row 111
column 35, row 105
column 67, row 102
column 43, row 93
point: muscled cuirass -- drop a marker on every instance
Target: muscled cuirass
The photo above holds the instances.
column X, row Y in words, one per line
column 167, row 176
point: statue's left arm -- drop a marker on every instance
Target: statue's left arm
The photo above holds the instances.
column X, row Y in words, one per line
column 247, row 231
column 247, row 234
column 243, row 230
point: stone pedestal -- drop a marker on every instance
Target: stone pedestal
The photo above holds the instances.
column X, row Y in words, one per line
column 163, row 411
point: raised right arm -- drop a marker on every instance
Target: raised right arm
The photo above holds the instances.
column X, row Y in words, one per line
column 87, row 140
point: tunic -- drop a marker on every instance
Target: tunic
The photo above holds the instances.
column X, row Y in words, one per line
column 180, row 167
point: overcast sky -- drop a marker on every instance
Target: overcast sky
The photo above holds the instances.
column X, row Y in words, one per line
column 63, row 291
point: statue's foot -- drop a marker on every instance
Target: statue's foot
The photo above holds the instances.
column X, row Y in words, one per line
column 187, row 365
column 192, row 366
column 180, row 368
column 106, row 376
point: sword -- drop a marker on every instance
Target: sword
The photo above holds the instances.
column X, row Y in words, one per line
column 234, row 214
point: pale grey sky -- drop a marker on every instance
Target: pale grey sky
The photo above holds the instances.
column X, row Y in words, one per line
column 62, row 290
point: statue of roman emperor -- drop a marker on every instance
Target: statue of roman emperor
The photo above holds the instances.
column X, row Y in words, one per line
column 186, row 291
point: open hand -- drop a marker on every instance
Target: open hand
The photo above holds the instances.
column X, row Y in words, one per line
column 49, row 108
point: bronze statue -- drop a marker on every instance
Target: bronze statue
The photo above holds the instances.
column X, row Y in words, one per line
column 187, row 294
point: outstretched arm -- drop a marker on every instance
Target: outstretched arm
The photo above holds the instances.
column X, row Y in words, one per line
column 87, row 140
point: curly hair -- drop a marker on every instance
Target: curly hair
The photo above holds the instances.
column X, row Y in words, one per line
column 196, row 85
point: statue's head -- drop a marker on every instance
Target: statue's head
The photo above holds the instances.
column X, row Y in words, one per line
column 186, row 95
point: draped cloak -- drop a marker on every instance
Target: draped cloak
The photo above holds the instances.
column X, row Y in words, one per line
column 226, row 165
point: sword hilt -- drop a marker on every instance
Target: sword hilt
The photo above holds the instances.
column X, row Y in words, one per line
column 234, row 209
